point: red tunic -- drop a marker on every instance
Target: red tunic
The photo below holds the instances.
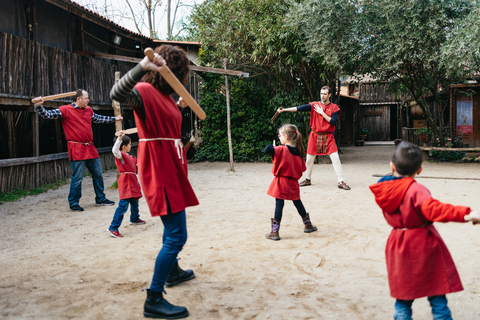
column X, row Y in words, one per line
column 77, row 125
column 162, row 173
column 287, row 169
column 320, row 125
column 418, row 261
column 128, row 186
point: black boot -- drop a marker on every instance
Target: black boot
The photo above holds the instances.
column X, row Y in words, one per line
column 159, row 308
column 178, row 275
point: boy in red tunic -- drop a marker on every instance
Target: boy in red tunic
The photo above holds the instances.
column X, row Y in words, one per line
column 288, row 165
column 418, row 261
column 321, row 141
column 162, row 166
column 128, row 187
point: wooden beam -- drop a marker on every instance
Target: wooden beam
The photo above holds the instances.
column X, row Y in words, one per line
column 137, row 60
column 220, row 71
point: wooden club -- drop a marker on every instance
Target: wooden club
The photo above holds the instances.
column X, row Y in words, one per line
column 58, row 96
column 176, row 85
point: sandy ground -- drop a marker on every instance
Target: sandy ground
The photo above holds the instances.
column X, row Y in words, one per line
column 57, row 264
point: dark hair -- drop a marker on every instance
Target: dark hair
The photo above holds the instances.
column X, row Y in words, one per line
column 178, row 63
column 78, row 94
column 407, row 158
column 291, row 131
column 125, row 141
column 326, row 88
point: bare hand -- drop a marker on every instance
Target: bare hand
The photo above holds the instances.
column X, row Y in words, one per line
column 120, row 134
column 38, row 101
column 474, row 216
column 280, row 110
column 119, row 118
column 156, row 65
column 318, row 109
column 181, row 103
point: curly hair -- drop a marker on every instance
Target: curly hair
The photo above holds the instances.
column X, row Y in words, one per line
column 178, row 63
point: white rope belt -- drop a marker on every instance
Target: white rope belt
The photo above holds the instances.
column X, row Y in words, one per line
column 84, row 143
column 127, row 172
column 178, row 144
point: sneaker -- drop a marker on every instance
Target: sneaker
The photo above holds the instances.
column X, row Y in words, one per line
column 76, row 207
column 106, row 202
column 306, row 182
column 115, row 234
column 139, row 221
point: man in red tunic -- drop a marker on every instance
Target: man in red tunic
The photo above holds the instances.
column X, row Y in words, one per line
column 321, row 141
column 418, row 261
column 77, row 120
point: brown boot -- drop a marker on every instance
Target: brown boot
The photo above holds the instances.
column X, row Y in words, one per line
column 309, row 227
column 274, row 234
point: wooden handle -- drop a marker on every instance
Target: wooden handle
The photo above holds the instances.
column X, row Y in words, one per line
column 58, row 96
column 128, row 131
column 176, row 85
column 275, row 116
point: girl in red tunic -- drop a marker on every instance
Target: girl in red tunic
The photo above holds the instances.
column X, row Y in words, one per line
column 288, row 166
column 128, row 187
column 162, row 166
column 418, row 261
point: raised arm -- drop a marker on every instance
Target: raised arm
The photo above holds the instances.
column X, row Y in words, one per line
column 44, row 113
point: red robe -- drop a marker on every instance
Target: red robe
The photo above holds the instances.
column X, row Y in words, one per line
column 418, row 261
column 320, row 125
column 128, row 186
column 77, row 125
column 287, row 169
column 162, row 173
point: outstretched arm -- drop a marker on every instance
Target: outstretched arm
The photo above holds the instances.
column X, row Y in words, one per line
column 44, row 113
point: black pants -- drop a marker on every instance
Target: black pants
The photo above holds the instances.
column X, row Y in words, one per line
column 279, row 203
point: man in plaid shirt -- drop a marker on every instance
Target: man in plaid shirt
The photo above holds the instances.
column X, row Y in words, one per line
column 77, row 120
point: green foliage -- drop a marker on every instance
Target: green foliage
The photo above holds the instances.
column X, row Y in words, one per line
column 20, row 193
column 447, row 156
column 251, row 128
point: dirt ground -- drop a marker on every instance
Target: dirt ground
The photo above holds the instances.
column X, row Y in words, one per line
column 59, row 264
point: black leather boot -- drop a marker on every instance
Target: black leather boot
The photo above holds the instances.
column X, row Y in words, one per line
column 159, row 308
column 178, row 275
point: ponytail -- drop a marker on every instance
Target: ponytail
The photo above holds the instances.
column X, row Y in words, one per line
column 291, row 131
column 300, row 147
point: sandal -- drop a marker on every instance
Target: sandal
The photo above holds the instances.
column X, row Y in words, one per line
column 343, row 185
column 306, row 182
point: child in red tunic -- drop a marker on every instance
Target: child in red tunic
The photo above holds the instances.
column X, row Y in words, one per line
column 418, row 261
column 288, row 166
column 128, row 186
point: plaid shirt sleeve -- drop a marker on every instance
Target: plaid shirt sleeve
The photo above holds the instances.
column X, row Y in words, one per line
column 48, row 114
column 98, row 118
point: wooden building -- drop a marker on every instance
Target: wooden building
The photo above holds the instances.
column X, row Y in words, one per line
column 54, row 46
column 465, row 114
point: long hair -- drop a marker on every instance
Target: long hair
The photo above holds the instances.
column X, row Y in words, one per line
column 291, row 131
column 178, row 63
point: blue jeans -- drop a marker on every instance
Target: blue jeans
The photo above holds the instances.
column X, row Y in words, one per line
column 121, row 209
column 174, row 237
column 78, row 168
column 440, row 310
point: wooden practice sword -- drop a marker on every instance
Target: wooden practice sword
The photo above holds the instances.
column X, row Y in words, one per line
column 58, row 96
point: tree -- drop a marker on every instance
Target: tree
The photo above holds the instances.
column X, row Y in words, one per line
column 461, row 53
column 146, row 16
column 402, row 41
column 253, row 36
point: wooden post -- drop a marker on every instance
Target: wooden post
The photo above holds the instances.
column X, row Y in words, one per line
column 116, row 106
column 117, row 112
column 36, row 146
column 229, row 133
